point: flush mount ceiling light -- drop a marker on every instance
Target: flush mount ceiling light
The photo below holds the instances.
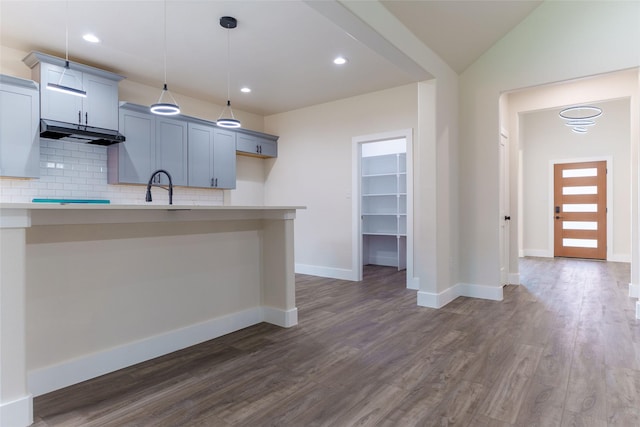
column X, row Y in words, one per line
column 580, row 117
column 340, row 60
column 59, row 87
column 91, row 38
column 245, row 90
column 228, row 22
column 163, row 107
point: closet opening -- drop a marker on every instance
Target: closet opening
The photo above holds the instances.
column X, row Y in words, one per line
column 384, row 203
column 382, row 179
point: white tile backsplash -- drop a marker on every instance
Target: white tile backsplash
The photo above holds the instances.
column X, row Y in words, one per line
column 79, row 171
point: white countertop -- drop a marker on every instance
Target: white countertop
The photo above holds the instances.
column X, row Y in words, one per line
column 20, row 215
column 109, row 206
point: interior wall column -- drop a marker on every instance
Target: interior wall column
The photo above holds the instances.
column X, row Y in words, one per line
column 16, row 403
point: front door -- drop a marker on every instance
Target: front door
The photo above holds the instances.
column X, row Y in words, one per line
column 580, row 210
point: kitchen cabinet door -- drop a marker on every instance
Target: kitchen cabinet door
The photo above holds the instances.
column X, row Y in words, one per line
column 200, row 156
column 267, row 147
column 19, row 128
column 100, row 107
column 212, row 157
column 56, row 105
column 133, row 161
column 224, row 158
column 171, row 150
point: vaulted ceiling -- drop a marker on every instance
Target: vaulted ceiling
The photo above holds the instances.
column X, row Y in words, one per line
column 282, row 50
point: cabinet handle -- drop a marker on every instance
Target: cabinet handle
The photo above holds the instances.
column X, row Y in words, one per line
column 86, row 118
column 257, row 148
column 212, row 182
column 79, row 117
column 216, row 182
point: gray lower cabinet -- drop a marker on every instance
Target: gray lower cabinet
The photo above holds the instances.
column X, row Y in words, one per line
column 256, row 146
column 19, row 128
column 153, row 142
column 212, row 157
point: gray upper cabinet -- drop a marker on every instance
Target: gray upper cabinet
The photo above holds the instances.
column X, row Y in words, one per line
column 250, row 144
column 19, row 128
column 224, row 158
column 132, row 162
column 171, row 149
column 211, row 157
column 98, row 109
column 153, row 142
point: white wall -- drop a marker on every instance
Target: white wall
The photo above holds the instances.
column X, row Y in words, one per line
column 544, row 139
column 558, row 41
column 314, row 165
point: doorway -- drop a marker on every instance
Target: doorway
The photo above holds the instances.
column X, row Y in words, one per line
column 383, row 202
column 580, row 210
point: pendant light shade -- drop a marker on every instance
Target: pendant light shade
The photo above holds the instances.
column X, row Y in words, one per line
column 228, row 22
column 59, row 87
column 163, row 106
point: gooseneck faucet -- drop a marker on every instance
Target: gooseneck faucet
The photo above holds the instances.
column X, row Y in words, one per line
column 152, row 184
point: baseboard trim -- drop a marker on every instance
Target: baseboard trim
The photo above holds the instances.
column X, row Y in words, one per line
column 278, row 317
column 471, row 290
column 48, row 379
column 634, row 290
column 619, row 258
column 17, row 413
column 439, row 300
column 539, row 253
column 330, row 272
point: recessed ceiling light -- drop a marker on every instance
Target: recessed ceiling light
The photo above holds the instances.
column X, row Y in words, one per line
column 91, row 38
column 340, row 60
column 245, row 90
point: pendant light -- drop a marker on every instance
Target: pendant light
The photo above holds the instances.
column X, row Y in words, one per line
column 163, row 107
column 59, row 87
column 229, row 23
column 580, row 117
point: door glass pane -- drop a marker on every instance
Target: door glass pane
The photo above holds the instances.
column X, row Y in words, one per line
column 574, row 173
column 580, row 225
column 587, row 189
column 580, row 207
column 580, row 243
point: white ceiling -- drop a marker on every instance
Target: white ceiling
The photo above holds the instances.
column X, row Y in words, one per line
column 283, row 50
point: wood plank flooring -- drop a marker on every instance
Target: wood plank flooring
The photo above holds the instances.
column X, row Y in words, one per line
column 561, row 350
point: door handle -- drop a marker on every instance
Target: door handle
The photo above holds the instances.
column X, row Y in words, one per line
column 507, row 217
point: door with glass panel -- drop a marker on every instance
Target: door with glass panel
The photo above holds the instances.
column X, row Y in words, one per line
column 580, row 210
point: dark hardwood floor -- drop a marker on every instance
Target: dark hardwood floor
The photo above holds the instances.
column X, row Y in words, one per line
column 561, row 350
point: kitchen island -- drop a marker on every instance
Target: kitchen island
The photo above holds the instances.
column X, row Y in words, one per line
column 89, row 289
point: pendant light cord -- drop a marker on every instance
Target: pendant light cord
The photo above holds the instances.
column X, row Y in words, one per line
column 165, row 42
column 229, row 73
column 66, row 36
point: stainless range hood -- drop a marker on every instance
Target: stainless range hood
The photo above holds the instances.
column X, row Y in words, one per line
column 53, row 129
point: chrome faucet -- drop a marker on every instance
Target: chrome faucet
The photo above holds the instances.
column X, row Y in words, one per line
column 151, row 184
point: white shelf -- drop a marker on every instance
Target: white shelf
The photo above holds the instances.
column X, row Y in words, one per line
column 375, row 175
column 384, row 207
